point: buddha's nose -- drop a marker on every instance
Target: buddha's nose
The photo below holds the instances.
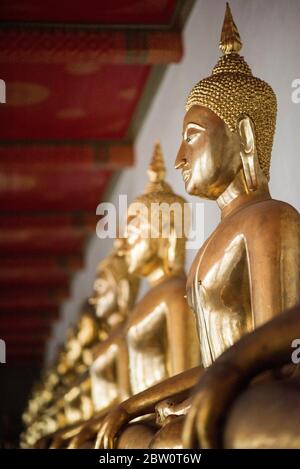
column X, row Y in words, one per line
column 180, row 158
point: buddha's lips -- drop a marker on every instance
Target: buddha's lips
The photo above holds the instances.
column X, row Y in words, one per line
column 186, row 174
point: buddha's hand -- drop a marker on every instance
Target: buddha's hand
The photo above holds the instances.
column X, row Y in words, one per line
column 83, row 436
column 163, row 410
column 209, row 406
column 190, row 437
column 110, row 427
column 167, row 409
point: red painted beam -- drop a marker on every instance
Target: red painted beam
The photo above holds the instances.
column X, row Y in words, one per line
column 56, row 190
column 38, row 241
column 32, row 261
column 8, row 327
column 39, row 304
column 57, row 293
column 52, row 46
column 28, row 321
column 117, row 12
column 27, row 349
column 28, row 277
column 51, row 156
column 66, row 220
column 25, row 353
column 16, row 338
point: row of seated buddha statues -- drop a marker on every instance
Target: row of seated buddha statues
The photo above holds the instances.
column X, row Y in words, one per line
column 43, row 413
column 245, row 275
column 158, row 338
column 154, row 383
column 63, row 394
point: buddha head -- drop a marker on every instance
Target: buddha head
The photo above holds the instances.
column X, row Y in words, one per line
column 87, row 327
column 155, row 221
column 115, row 289
column 228, row 126
column 72, row 347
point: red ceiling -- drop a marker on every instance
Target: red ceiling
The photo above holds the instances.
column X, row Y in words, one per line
column 72, row 96
column 73, row 91
column 153, row 12
column 66, row 102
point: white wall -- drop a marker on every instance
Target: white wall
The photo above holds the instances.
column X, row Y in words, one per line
column 270, row 33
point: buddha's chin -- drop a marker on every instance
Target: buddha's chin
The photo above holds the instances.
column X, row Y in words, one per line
column 190, row 188
column 129, row 263
column 131, row 268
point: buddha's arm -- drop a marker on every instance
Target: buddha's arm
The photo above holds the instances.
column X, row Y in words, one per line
column 267, row 347
column 172, row 407
column 274, row 264
column 65, row 434
column 144, row 403
column 122, row 370
column 179, row 385
column 88, row 429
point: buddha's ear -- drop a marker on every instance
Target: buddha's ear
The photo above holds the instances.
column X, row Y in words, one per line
column 171, row 260
column 248, row 151
column 123, row 295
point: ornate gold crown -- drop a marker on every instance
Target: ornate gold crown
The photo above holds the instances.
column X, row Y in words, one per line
column 157, row 189
column 157, row 172
column 232, row 91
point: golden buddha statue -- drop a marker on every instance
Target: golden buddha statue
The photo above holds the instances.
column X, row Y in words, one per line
column 45, row 413
column 80, row 341
column 67, row 364
column 46, row 410
column 247, row 271
column 114, row 295
column 160, row 333
column 43, row 390
column 35, row 402
column 36, row 419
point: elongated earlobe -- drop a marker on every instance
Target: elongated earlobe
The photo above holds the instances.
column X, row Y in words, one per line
column 123, row 295
column 172, row 256
column 248, row 152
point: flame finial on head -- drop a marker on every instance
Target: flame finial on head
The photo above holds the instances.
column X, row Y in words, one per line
column 230, row 41
column 156, row 169
column 157, row 172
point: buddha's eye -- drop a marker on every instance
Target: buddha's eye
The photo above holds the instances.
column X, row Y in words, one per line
column 191, row 138
column 192, row 132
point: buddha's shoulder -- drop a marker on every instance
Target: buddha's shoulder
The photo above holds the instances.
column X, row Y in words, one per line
column 174, row 285
column 168, row 289
column 272, row 212
column 169, row 292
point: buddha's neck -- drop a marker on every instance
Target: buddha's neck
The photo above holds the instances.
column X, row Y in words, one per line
column 237, row 195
